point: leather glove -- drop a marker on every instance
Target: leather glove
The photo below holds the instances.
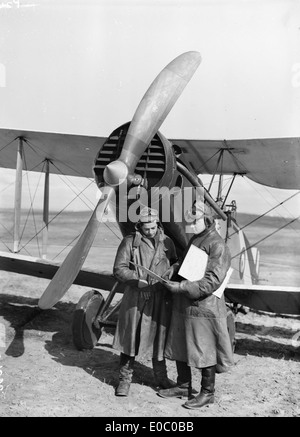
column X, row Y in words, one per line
column 146, row 292
column 174, row 287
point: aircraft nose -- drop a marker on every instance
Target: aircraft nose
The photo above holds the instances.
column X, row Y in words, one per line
column 115, row 173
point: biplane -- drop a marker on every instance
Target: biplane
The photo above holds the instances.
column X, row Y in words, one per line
column 136, row 155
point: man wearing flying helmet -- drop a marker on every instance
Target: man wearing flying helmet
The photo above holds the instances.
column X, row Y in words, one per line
column 145, row 309
column 198, row 336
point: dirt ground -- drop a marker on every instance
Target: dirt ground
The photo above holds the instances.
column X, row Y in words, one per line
column 44, row 375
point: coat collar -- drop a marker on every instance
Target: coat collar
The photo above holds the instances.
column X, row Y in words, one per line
column 204, row 234
column 138, row 237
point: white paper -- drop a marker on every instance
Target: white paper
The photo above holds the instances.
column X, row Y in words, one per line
column 218, row 293
column 194, row 265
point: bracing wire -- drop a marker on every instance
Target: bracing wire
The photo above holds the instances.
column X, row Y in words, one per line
column 62, row 210
column 267, row 212
column 110, row 228
column 239, row 163
column 8, row 144
column 51, row 220
column 31, row 210
column 267, row 236
column 34, row 147
column 70, row 185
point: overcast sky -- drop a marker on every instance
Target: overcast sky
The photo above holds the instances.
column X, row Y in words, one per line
column 83, row 67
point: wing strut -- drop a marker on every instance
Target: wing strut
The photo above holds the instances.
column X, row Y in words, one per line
column 18, row 196
column 46, row 211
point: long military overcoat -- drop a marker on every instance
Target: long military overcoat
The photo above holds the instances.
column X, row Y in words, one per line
column 143, row 323
column 198, row 333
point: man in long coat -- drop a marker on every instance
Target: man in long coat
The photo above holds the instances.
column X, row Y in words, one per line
column 198, row 336
column 145, row 309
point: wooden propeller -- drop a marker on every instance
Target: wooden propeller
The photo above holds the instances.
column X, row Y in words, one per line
column 150, row 114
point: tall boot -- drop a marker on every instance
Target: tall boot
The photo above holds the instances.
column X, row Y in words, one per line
column 160, row 374
column 183, row 387
column 206, row 395
column 125, row 375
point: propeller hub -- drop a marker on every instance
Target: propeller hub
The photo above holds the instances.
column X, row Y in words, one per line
column 115, row 173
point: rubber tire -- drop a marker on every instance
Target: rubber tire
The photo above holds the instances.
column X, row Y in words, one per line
column 85, row 334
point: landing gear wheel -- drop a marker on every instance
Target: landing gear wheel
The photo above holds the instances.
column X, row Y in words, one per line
column 85, row 334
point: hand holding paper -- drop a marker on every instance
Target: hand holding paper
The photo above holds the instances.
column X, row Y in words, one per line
column 170, row 272
column 150, row 273
column 194, row 265
column 173, row 286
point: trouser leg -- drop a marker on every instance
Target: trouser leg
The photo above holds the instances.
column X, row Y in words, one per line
column 184, row 374
column 206, row 395
column 183, row 387
column 161, row 375
column 125, row 374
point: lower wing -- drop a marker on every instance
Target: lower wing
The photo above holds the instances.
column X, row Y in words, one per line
column 274, row 299
column 41, row 268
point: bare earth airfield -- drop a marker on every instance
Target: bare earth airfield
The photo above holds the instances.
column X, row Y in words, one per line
column 45, row 375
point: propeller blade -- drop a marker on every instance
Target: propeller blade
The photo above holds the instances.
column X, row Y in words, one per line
column 71, row 266
column 156, row 105
column 150, row 114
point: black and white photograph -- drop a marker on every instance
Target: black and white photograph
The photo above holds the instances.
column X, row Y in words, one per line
column 149, row 211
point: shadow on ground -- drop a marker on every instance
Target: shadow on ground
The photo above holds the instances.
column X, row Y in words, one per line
column 23, row 314
column 260, row 340
column 102, row 362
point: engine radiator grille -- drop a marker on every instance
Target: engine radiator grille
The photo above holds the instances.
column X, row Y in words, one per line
column 151, row 165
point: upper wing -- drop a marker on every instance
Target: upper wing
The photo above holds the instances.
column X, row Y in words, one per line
column 271, row 161
column 70, row 154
